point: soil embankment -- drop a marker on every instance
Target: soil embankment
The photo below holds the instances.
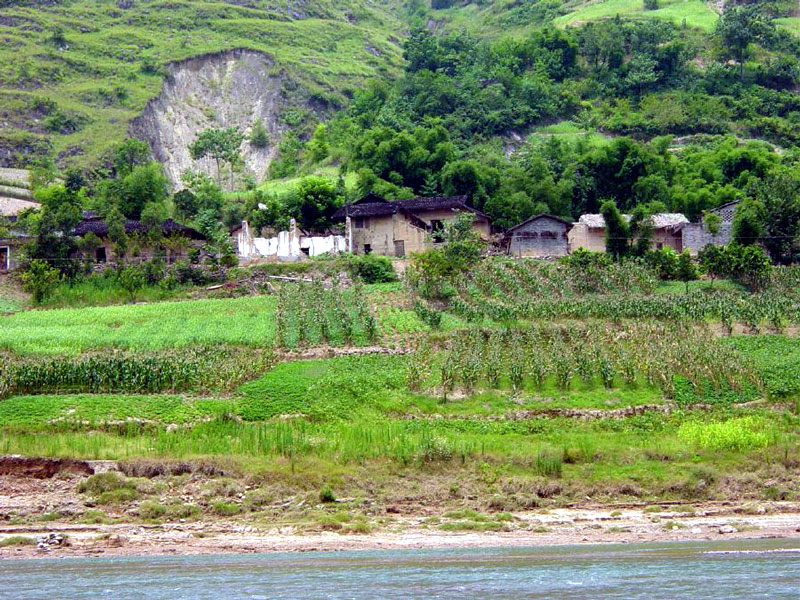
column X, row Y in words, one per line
column 44, row 514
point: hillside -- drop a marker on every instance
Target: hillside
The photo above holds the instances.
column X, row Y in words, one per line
column 73, row 73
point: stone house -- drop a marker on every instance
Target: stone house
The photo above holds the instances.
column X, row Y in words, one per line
column 541, row 236
column 177, row 239
column 399, row 228
column 590, row 232
column 696, row 235
column 11, row 238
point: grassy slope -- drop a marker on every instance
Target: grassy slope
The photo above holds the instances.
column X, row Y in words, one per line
column 330, row 52
column 510, row 16
column 696, row 13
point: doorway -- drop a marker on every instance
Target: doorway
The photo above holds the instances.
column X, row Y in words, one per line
column 5, row 258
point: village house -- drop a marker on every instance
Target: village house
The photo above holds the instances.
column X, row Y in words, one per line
column 541, row 236
column 399, row 228
column 11, row 237
column 696, row 236
column 177, row 239
column 589, row 232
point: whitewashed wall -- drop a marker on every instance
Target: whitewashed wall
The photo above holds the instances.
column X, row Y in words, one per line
column 287, row 245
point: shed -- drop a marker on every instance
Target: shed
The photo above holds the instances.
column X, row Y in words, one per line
column 541, row 236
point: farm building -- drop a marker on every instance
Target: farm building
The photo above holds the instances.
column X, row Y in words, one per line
column 540, row 236
column 177, row 238
column 398, row 228
column 696, row 235
column 590, row 232
column 11, row 238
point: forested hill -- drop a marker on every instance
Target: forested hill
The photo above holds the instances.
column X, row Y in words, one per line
column 524, row 106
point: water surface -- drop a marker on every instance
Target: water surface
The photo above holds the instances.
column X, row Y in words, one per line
column 707, row 570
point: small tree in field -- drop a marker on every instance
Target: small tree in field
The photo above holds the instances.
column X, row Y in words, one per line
column 40, row 280
column 714, row 261
column 687, row 270
column 131, row 279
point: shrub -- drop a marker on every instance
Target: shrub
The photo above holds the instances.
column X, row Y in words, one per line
column 17, row 540
column 40, row 280
column 371, row 268
column 151, row 510
column 664, row 262
column 104, row 482
column 225, row 509
column 326, row 495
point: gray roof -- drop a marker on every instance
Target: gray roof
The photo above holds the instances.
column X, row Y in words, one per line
column 659, row 220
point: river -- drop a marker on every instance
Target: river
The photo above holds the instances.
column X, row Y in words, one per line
column 696, row 570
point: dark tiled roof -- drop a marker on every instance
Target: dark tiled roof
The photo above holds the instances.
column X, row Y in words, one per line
column 99, row 227
column 373, row 205
column 370, row 209
column 566, row 222
column 436, row 203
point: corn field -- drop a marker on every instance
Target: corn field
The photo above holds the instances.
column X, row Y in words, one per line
column 197, row 369
column 309, row 314
column 658, row 354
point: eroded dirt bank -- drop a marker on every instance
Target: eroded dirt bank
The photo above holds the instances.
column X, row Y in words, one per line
column 58, row 523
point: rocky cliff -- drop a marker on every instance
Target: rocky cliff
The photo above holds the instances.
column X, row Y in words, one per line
column 235, row 88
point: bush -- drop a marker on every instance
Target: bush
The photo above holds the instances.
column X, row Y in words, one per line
column 17, row 540
column 225, row 509
column 40, row 280
column 664, row 262
column 326, row 495
column 104, row 482
column 372, row 268
column 151, row 510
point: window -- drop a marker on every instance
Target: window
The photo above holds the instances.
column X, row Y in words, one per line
column 5, row 258
column 400, row 248
column 549, row 235
column 100, row 255
column 362, row 223
column 367, row 248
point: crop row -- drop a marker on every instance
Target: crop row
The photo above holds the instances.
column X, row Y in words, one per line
column 685, row 363
column 309, row 314
column 198, row 369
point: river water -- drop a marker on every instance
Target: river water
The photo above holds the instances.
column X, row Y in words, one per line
column 718, row 570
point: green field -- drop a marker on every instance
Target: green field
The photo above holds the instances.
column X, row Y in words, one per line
column 241, row 321
column 695, row 13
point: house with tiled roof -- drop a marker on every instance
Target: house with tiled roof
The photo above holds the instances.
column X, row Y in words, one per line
column 177, row 238
column 397, row 228
column 589, row 232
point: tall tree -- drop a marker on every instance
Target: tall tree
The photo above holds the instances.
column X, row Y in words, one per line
column 739, row 26
column 222, row 145
column 617, row 230
column 778, row 197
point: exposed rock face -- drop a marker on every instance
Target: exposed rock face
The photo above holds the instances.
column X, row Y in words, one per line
column 229, row 89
